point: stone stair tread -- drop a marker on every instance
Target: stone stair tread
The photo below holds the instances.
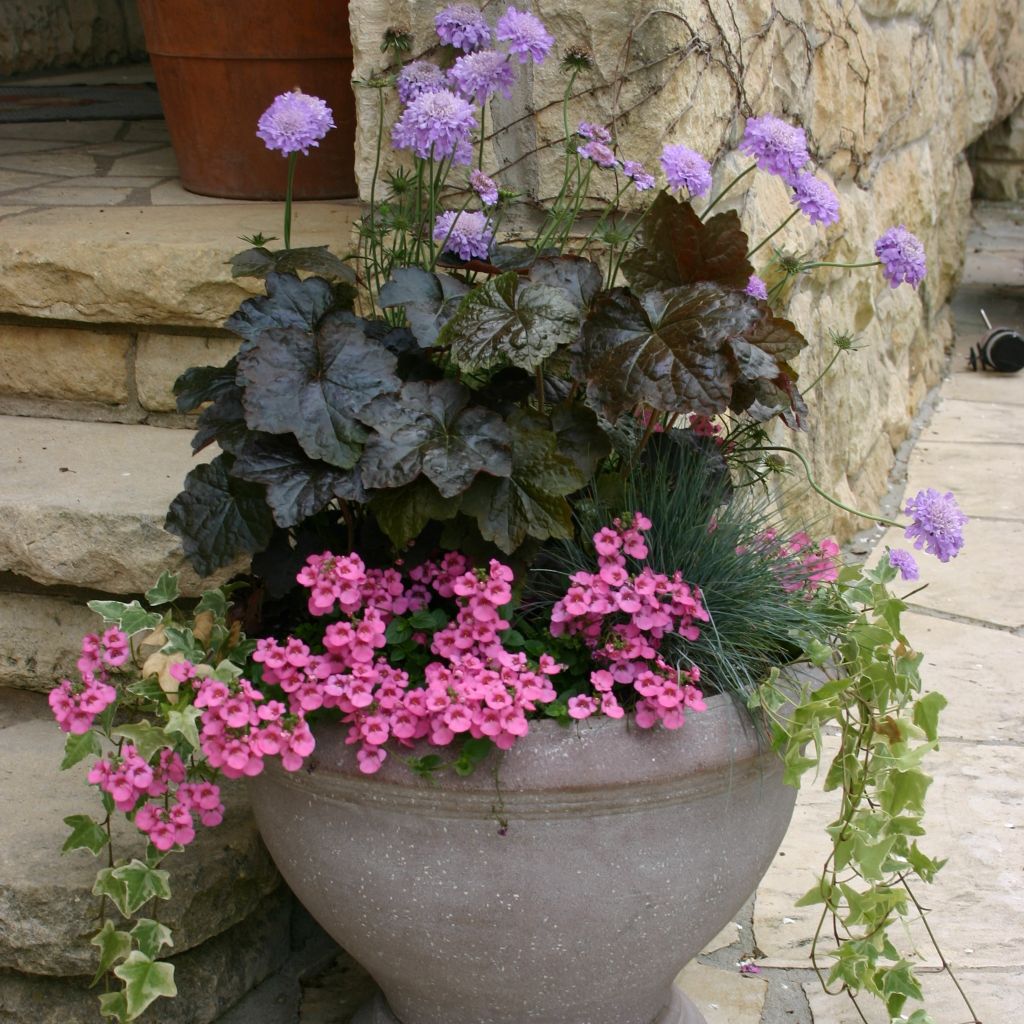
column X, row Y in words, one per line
column 47, row 912
column 83, row 504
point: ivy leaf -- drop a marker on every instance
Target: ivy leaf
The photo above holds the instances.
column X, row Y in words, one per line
column 906, row 790
column 146, row 738
column 165, row 590
column 531, row 502
column 86, row 834
column 668, row 350
column 151, row 936
column 219, row 517
column 577, row 278
column 145, row 981
column 182, row 722
column 403, row 512
column 130, row 618
column 430, row 428
column 678, row 248
column 113, row 946
column 314, row 385
column 77, row 747
column 114, row 1004
column 141, row 884
column 297, row 487
column 200, row 384
column 508, row 321
column 430, row 300
column 289, row 303
column 926, row 714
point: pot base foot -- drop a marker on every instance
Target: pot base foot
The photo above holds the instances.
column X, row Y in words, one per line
column 680, row 1010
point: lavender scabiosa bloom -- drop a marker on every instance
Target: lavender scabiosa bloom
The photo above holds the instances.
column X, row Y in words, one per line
column 596, row 132
column 637, row 173
column 756, row 288
column 937, row 523
column 480, row 75
column 294, row 122
column 686, row 169
column 468, row 235
column 525, row 34
column 484, row 187
column 435, row 124
column 418, row 77
column 905, row 562
column 815, row 199
column 778, row 147
column 462, row 26
column 601, row 154
column 902, row 256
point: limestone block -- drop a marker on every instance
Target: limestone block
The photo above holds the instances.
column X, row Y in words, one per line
column 39, row 639
column 83, row 504
column 47, row 911
column 63, row 363
column 999, row 179
column 162, row 358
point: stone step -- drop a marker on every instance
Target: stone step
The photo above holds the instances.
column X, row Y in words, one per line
column 83, row 504
column 47, row 912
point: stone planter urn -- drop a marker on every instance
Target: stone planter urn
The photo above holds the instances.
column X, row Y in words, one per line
column 567, row 881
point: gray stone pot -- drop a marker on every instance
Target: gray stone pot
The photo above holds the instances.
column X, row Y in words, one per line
column 567, row 884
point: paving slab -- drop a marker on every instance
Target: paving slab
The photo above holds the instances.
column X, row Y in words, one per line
column 974, row 422
column 724, row 996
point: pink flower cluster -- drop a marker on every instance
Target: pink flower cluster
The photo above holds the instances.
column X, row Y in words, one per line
column 76, row 704
column 623, row 617
column 802, row 565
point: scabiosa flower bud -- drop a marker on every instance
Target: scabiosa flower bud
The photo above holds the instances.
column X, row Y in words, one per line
column 418, row 77
column 686, row 169
column 815, row 199
column 778, row 147
column 905, row 562
column 757, row 288
column 575, row 58
column 484, row 187
column 525, row 34
column 902, row 256
column 294, row 122
column 637, row 173
column 462, row 26
column 480, row 75
column 468, row 235
column 436, row 123
column 600, row 153
column 937, row 523
column 596, row 132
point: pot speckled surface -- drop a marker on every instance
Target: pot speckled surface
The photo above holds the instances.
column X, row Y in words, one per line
column 569, row 886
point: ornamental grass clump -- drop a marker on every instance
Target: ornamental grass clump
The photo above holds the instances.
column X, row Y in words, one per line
column 486, row 476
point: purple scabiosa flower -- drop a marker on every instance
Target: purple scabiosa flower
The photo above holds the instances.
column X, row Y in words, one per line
column 937, row 523
column 484, row 187
column 902, row 256
column 480, row 75
column 778, row 147
column 525, row 34
column 815, row 199
column 686, row 169
column 468, row 235
column 597, row 132
column 601, row 154
column 757, row 288
column 637, row 173
column 435, row 124
column 294, row 122
column 905, row 562
column 462, row 26
column 418, row 77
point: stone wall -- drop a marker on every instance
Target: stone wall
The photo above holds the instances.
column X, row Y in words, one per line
column 997, row 160
column 37, row 34
column 891, row 92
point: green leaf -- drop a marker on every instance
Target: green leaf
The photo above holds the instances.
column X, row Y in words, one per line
column 132, row 618
column 398, row 631
column 145, row 981
column 114, row 1004
column 151, row 936
column 429, row 300
column 906, row 789
column 213, row 601
column 403, row 512
column 113, row 946
column 926, row 713
column 219, row 517
column 510, row 322
column 165, row 590
column 141, row 884
column 77, row 747
column 86, row 834
column 147, row 738
column 182, row 722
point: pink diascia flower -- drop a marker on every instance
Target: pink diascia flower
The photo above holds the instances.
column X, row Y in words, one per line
column 294, row 122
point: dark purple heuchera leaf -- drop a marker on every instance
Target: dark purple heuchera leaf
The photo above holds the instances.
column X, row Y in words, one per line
column 531, row 502
column 297, row 487
column 289, row 303
column 223, row 421
column 430, row 300
column 315, row 384
column 403, row 512
column 219, row 517
column 669, row 350
column 509, row 321
column 317, row 259
column 200, row 384
column 580, row 436
column 678, row 248
column 578, row 278
column 431, row 428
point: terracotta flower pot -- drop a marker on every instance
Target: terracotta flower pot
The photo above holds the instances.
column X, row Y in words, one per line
column 219, row 64
column 567, row 885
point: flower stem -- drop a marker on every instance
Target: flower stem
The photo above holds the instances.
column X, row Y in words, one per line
column 811, row 266
column 764, row 241
column 293, row 159
column 483, row 120
column 734, row 181
column 835, row 355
